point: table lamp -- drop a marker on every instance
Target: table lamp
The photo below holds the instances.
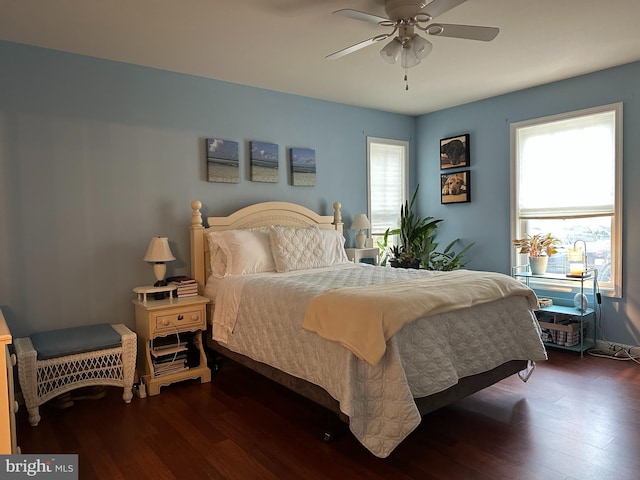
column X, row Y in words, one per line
column 577, row 260
column 360, row 223
column 158, row 253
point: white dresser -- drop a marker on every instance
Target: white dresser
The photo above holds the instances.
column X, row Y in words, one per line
column 8, row 405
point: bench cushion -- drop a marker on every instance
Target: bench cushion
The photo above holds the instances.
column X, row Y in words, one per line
column 70, row 341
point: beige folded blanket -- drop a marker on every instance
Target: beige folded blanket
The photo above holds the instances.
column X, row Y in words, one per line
column 364, row 318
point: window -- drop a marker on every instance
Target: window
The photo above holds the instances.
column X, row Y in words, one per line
column 567, row 181
column 387, row 170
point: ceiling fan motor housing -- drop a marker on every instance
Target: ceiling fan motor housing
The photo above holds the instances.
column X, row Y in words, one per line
column 400, row 9
column 405, row 33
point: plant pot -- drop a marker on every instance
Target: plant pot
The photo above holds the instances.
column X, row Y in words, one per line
column 538, row 265
column 405, row 264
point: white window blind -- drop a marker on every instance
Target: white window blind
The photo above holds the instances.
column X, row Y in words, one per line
column 387, row 182
column 567, row 167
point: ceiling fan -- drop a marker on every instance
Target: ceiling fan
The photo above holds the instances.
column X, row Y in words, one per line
column 405, row 17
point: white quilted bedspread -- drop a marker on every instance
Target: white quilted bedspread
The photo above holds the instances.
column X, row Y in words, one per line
column 425, row 357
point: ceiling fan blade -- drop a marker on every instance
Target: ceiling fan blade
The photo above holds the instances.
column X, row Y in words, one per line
column 438, row 7
column 358, row 15
column 356, row 47
column 295, row 7
column 470, row 32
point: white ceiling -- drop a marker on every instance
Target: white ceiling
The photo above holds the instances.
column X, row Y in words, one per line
column 281, row 44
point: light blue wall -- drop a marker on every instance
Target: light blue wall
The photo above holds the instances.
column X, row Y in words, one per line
column 96, row 157
column 486, row 219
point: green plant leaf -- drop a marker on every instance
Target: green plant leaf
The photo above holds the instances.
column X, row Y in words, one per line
column 417, row 240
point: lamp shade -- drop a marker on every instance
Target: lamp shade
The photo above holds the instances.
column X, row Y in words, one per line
column 360, row 222
column 159, row 251
column 420, row 47
column 391, row 51
column 408, row 58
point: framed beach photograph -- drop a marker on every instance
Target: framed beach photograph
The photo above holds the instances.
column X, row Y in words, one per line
column 223, row 161
column 303, row 166
column 264, row 162
column 455, row 187
column 454, row 152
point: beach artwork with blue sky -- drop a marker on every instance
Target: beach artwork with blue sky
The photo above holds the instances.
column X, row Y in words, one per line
column 264, row 162
column 303, row 166
column 223, row 161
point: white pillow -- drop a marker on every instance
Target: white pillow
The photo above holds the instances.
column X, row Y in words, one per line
column 334, row 246
column 299, row 248
column 238, row 252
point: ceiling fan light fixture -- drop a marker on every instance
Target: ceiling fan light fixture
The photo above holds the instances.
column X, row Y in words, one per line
column 391, row 51
column 408, row 59
column 421, row 47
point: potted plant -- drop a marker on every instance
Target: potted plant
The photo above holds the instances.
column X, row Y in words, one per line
column 414, row 232
column 539, row 247
column 417, row 246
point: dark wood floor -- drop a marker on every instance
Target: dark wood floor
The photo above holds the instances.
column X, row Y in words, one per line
column 574, row 419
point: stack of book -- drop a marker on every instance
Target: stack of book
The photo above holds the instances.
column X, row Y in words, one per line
column 170, row 364
column 168, row 355
column 187, row 286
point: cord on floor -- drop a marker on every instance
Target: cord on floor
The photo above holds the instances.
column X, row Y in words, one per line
column 615, row 352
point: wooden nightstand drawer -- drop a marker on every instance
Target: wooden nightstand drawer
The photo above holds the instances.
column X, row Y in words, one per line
column 180, row 320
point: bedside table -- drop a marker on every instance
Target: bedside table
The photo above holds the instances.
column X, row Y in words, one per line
column 356, row 254
column 170, row 345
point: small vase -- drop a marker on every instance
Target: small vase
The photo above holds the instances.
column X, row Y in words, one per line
column 538, row 265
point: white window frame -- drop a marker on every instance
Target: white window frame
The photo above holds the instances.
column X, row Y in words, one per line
column 613, row 288
column 405, row 174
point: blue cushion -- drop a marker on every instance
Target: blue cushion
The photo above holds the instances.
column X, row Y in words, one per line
column 69, row 341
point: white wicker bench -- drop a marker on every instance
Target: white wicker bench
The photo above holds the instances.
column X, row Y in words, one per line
column 80, row 365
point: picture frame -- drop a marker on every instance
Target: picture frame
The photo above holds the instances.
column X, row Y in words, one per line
column 264, row 162
column 303, row 166
column 454, row 152
column 223, row 160
column 455, row 187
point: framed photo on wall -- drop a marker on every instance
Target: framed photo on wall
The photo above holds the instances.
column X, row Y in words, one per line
column 455, row 187
column 454, row 152
column 264, row 162
column 303, row 166
column 223, row 161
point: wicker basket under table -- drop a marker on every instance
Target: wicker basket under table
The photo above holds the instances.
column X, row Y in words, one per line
column 42, row 380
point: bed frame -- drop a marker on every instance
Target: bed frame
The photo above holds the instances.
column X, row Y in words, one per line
column 289, row 214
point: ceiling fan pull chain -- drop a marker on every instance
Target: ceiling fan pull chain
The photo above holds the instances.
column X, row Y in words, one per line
column 406, row 80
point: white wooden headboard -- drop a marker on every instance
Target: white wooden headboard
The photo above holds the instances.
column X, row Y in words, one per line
column 258, row 215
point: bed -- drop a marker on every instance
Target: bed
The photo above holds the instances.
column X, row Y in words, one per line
column 287, row 303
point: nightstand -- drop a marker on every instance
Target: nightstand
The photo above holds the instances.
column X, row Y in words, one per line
column 170, row 345
column 356, row 254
